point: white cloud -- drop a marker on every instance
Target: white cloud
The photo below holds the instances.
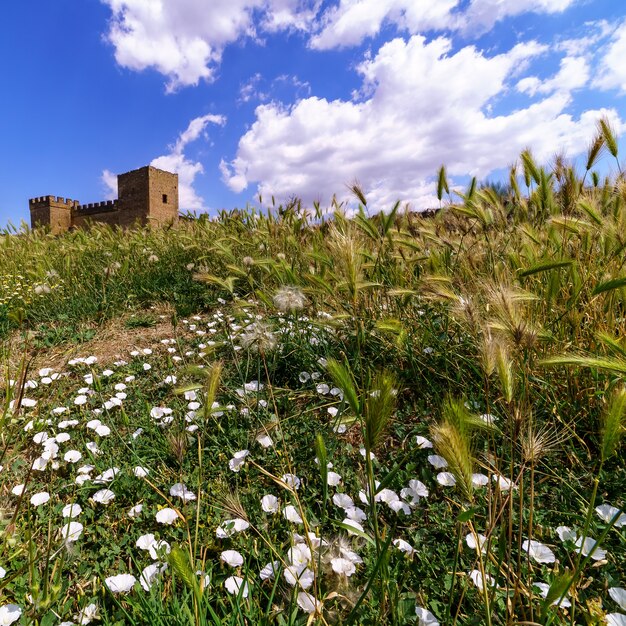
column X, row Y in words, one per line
column 426, row 106
column 573, row 74
column 612, row 66
column 187, row 170
column 109, row 181
column 184, row 39
column 176, row 161
column 481, row 15
column 350, row 21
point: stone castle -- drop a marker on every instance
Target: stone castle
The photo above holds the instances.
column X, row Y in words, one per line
column 145, row 196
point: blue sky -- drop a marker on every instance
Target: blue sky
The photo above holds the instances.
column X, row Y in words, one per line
column 298, row 97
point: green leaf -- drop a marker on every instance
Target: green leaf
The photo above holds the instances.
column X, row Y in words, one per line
column 544, row 267
column 342, row 377
column 609, row 285
column 611, row 365
column 467, row 515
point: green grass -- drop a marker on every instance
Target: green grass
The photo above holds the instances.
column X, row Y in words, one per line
column 493, row 330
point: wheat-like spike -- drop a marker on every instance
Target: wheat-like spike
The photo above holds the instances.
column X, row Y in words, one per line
column 454, row 447
column 610, row 139
column 613, row 424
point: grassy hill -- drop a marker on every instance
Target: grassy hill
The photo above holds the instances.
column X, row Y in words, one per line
column 277, row 417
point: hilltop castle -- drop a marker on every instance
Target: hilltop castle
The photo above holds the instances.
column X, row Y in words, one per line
column 145, row 196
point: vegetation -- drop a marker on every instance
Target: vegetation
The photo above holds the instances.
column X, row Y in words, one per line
column 298, row 418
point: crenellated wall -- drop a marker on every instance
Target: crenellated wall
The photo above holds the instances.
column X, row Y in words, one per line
column 146, row 196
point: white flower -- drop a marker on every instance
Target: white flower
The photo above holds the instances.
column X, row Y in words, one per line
column 477, row 579
column 299, row 554
column 18, row 490
column 107, row 476
column 40, row 463
column 333, row 479
column 269, row 503
column 544, row 588
column 422, row 442
column 104, row 496
column 269, row 571
column 121, row 583
column 3, row 572
column 470, row 540
column 606, row 513
column 40, row 498
column 479, row 480
column 238, row 460
column 538, row 551
column 343, row 566
column 299, row 575
column 72, row 456
column 308, row 603
column 446, row 479
column 343, row 501
column 9, row 613
column 353, row 524
column 80, row 400
column 158, row 549
column 235, row 585
column 291, row 480
column 230, row 527
column 565, row 533
column 504, row 483
column 589, row 546
column 145, row 541
column 141, row 472
column 438, row 462
column 416, row 490
column 232, row 558
column 619, row 596
column 425, row 617
column 404, row 546
column 264, row 440
column 135, row 511
column 72, row 531
column 88, row 614
column 179, row 490
column 166, row 516
column 290, row 513
column 150, row 574
column 615, row 619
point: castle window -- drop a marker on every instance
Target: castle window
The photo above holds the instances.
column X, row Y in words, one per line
column 164, row 198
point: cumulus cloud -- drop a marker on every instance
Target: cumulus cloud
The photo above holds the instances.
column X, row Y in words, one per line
column 187, row 169
column 109, row 182
column 573, row 74
column 424, row 106
column 612, row 73
column 176, row 161
column 350, row 21
column 184, row 39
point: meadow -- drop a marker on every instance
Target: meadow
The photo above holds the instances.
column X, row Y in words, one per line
column 288, row 416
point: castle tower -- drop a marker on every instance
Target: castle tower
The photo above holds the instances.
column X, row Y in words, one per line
column 148, row 196
column 53, row 211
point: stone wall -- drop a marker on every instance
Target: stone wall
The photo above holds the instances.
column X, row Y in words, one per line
column 146, row 196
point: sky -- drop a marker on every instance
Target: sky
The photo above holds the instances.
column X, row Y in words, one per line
column 252, row 99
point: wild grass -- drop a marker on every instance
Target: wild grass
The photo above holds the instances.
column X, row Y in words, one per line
column 285, row 420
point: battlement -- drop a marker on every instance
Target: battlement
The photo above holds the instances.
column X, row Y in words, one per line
column 55, row 199
column 147, row 196
column 97, row 207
